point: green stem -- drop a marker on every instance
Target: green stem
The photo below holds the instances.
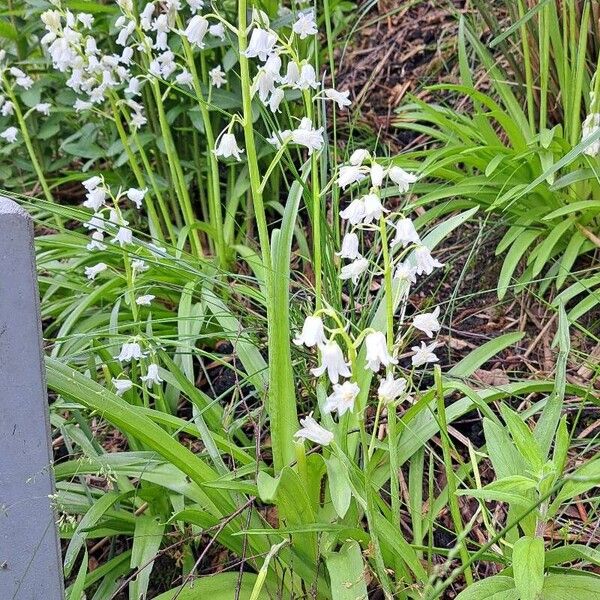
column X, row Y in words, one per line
column 214, row 188
column 32, row 155
column 177, row 172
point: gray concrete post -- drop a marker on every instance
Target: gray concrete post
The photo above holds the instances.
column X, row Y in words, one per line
column 30, row 562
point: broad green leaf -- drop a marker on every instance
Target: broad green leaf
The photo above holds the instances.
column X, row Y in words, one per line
column 523, row 438
column 347, row 573
column 498, row 587
column 146, row 542
column 569, row 587
column 514, row 255
column 528, row 567
column 470, row 363
column 339, row 485
column 215, row 587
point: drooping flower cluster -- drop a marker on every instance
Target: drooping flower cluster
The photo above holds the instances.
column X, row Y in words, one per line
column 12, row 80
column 410, row 257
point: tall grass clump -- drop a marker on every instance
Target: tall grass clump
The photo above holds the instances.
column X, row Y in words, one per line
column 525, row 144
column 241, row 382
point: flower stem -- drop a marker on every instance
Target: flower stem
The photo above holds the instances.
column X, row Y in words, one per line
column 32, row 155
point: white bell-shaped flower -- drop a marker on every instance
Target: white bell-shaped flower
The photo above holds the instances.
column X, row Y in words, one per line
column 377, row 352
column 136, row 196
column 342, row 399
column 373, row 208
column 405, row 233
column 349, row 174
column 228, row 147
column 406, row 272
column 425, row 262
column 314, row 432
column 377, row 174
column 359, row 156
column 92, row 272
column 428, row 322
column 261, row 44
column 196, row 30
column 391, row 389
column 305, row 25
column 313, row 333
column 342, row 99
column 349, row 247
column 122, row 385
column 332, row 361
column 354, row 270
column 152, row 377
column 423, row 354
column 354, row 212
column 130, row 351
column 400, row 177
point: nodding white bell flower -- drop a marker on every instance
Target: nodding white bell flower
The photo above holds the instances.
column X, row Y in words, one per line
column 406, row 272
column 217, row 76
column 405, row 233
column 122, row 385
column 146, row 16
column 125, row 32
column 401, row 178
column 136, row 196
column 307, row 79
column 124, row 237
column 145, row 300
column 342, row 399
column 273, row 66
column 349, row 174
column 261, row 44
column 139, row 266
column 152, row 377
column 354, row 270
column 92, row 183
column 81, row 105
column 377, row 352
column 96, row 240
column 86, row 19
column 184, row 78
column 275, row 100
column 43, row 108
column 425, row 262
column 8, row 108
column 306, row 135
column 217, row 30
column 341, row 98
column 427, row 322
column 133, row 86
column 292, row 74
column 332, row 361
column 377, row 174
column 228, row 147
column 314, row 432
column 264, row 84
column 130, row 351
column 92, row 272
column 423, row 354
column 305, row 25
column 126, row 56
column 279, row 138
column 95, row 199
column 196, row 30
column 10, row 134
column 358, row 157
column 391, row 389
column 96, row 222
column 349, row 247
column 313, row 333
column 590, row 126
column 373, row 208
column 195, row 5
column 354, row 212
